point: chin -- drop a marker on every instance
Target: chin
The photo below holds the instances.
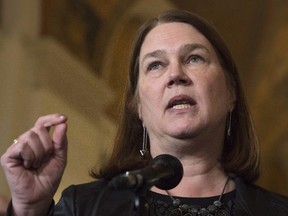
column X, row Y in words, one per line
column 184, row 134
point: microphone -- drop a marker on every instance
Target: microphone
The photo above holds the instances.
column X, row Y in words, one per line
column 164, row 171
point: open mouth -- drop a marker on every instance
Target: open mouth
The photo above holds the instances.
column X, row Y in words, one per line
column 181, row 102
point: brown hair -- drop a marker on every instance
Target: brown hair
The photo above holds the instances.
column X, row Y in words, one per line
column 240, row 152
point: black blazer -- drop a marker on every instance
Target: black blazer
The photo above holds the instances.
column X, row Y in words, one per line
column 81, row 200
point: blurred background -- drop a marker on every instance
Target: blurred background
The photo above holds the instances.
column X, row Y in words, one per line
column 71, row 56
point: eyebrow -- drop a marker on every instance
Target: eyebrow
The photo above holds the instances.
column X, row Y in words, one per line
column 183, row 50
column 153, row 54
column 190, row 47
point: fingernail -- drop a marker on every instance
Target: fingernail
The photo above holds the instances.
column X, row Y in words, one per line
column 62, row 116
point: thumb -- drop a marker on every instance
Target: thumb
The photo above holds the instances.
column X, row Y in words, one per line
column 59, row 139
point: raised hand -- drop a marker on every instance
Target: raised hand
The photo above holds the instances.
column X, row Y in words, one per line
column 34, row 165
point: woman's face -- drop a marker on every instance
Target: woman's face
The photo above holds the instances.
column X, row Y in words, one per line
column 182, row 88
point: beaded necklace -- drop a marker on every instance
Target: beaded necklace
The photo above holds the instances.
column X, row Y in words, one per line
column 215, row 209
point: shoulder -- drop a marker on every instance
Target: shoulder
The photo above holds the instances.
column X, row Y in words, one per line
column 78, row 199
column 85, row 188
column 259, row 200
column 82, row 199
column 275, row 199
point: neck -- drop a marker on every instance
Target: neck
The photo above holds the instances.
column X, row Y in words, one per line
column 203, row 173
column 199, row 146
column 200, row 157
column 200, row 180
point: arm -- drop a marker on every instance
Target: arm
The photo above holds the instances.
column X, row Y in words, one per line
column 35, row 164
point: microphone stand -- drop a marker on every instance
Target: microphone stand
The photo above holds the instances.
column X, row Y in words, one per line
column 141, row 205
column 164, row 171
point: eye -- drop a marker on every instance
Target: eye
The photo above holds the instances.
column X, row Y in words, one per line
column 195, row 59
column 154, row 66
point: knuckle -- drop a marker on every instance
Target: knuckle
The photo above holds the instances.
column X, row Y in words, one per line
column 38, row 129
column 40, row 119
column 32, row 134
column 27, row 135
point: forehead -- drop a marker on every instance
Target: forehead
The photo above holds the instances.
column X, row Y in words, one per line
column 171, row 36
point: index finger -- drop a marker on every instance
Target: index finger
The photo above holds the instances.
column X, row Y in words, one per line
column 50, row 120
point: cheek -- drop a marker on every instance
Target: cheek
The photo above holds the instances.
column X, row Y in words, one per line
column 219, row 95
column 146, row 101
column 215, row 92
column 149, row 91
column 149, row 101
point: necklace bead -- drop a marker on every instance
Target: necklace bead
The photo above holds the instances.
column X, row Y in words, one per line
column 176, row 202
column 217, row 203
column 216, row 209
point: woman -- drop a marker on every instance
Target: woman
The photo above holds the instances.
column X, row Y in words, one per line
column 184, row 99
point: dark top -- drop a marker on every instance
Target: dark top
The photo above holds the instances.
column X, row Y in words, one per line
column 81, row 200
column 163, row 205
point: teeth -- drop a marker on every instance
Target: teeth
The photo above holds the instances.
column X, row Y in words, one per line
column 181, row 106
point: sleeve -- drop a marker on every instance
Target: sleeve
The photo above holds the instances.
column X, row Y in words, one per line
column 9, row 211
column 66, row 204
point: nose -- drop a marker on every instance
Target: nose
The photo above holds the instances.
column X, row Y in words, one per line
column 177, row 76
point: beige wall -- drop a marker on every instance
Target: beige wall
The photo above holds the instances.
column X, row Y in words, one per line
column 42, row 78
column 268, row 96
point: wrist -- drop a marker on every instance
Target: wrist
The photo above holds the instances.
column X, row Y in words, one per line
column 42, row 208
